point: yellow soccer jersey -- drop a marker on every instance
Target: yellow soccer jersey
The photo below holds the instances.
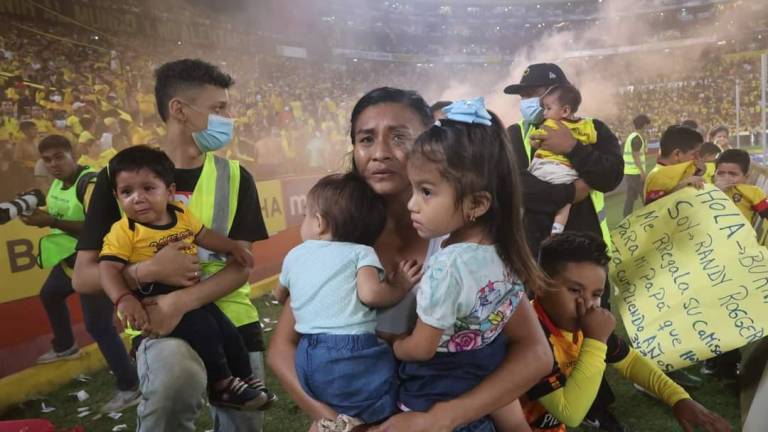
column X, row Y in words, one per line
column 664, row 178
column 750, row 199
column 129, row 241
column 583, row 130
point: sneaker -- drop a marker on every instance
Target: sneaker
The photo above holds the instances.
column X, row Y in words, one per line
column 52, row 356
column 122, row 400
column 238, row 395
column 604, row 420
column 685, row 379
column 258, row 385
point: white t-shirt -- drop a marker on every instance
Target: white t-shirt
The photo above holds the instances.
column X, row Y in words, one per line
column 466, row 291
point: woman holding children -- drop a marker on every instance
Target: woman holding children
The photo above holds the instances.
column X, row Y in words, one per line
column 467, row 342
column 385, row 123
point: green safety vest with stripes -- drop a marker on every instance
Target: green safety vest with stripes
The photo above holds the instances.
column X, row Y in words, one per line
column 214, row 203
column 598, row 198
column 630, row 168
column 66, row 205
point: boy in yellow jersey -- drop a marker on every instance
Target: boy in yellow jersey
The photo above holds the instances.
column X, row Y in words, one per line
column 143, row 183
column 678, row 164
column 582, row 340
column 708, row 154
column 731, row 177
column 561, row 102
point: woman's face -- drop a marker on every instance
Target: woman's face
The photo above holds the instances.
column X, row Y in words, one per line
column 383, row 134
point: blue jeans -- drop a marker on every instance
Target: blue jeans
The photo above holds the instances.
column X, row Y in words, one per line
column 447, row 376
column 172, row 380
column 353, row 374
column 98, row 314
column 482, row 425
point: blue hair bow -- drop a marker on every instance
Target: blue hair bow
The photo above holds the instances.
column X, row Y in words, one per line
column 468, row 111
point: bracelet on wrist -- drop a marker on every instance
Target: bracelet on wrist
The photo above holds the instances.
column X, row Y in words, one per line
column 121, row 297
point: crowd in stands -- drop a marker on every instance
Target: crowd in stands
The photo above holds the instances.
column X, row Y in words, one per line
column 291, row 114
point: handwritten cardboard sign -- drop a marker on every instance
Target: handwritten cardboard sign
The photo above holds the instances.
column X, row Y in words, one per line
column 691, row 277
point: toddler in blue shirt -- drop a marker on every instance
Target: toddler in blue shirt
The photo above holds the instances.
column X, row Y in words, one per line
column 336, row 282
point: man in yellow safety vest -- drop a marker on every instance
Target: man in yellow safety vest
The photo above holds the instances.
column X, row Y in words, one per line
column 635, row 149
column 192, row 99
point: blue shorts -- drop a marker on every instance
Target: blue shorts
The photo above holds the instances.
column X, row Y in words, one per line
column 447, row 376
column 353, row 374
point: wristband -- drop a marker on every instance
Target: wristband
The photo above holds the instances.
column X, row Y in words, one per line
column 121, row 297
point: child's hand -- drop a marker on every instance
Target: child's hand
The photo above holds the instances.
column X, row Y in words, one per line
column 596, row 323
column 132, row 313
column 690, row 414
column 407, row 275
column 723, row 185
column 695, row 181
column 242, row 256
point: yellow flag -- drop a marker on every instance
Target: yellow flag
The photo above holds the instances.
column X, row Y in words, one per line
column 691, row 278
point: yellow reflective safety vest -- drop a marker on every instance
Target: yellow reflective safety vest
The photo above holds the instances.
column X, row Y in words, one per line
column 214, row 203
column 67, row 205
column 630, row 168
column 598, row 198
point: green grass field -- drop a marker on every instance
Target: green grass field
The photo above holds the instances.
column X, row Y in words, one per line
column 638, row 411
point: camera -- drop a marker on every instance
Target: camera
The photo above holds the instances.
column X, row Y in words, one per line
column 24, row 204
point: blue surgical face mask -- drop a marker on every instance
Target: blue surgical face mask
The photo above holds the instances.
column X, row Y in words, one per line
column 532, row 110
column 217, row 135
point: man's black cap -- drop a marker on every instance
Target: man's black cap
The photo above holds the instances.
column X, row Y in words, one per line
column 538, row 75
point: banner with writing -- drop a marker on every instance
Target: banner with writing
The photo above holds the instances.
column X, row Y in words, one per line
column 691, row 277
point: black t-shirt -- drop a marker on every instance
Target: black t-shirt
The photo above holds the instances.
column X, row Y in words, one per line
column 248, row 224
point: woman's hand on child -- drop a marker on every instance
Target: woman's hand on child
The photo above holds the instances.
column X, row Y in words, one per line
column 242, row 256
column 690, row 414
column 596, row 323
column 408, row 274
column 132, row 313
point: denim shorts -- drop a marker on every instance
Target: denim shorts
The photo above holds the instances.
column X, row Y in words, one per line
column 353, row 374
column 447, row 376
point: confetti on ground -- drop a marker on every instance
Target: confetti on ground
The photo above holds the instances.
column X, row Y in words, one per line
column 267, row 329
column 83, row 378
column 115, row 415
column 275, row 302
column 45, row 408
column 120, row 427
column 267, row 320
column 84, row 413
column 81, row 409
column 81, row 395
column 96, row 417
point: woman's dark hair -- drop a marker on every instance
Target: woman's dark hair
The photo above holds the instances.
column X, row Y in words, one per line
column 354, row 212
column 476, row 158
column 141, row 157
column 54, row 142
column 571, row 247
column 735, row 156
column 380, row 95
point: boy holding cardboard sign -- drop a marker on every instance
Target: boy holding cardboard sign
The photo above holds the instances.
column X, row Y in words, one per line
column 678, row 164
column 582, row 340
column 731, row 176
